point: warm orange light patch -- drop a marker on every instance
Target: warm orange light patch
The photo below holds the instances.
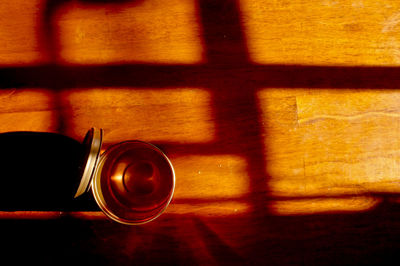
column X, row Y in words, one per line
column 350, row 105
column 330, row 143
column 322, row 32
column 322, row 205
column 29, row 215
column 210, row 185
column 46, row 215
column 210, row 177
column 19, row 40
column 355, row 137
column 212, row 209
column 27, row 110
column 95, row 215
column 180, row 115
column 151, row 31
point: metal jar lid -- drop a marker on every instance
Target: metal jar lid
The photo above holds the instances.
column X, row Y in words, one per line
column 92, row 144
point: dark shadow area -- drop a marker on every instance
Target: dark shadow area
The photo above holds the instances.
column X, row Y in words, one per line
column 41, row 172
column 368, row 238
column 223, row 39
column 106, row 3
column 167, row 76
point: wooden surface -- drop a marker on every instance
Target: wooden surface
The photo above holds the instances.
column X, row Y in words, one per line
column 281, row 118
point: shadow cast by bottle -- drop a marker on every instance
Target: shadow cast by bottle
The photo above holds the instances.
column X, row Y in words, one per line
column 41, row 172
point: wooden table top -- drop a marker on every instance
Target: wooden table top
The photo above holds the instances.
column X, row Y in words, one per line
column 281, row 119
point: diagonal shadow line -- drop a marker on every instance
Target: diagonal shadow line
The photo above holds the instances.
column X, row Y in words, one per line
column 166, row 76
column 218, row 249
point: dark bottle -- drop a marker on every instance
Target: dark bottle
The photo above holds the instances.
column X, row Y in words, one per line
column 40, row 172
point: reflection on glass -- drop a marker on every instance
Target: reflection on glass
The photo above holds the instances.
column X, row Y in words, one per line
column 134, row 182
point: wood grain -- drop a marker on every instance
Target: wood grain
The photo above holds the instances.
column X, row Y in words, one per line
column 19, row 38
column 87, row 33
column 280, row 117
column 328, row 143
column 181, row 115
column 322, row 32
